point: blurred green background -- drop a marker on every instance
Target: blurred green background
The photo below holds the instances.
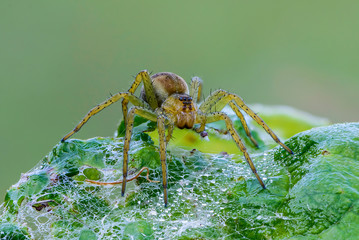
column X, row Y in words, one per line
column 60, row 58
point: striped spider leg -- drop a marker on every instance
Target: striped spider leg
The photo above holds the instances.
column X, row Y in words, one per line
column 209, row 111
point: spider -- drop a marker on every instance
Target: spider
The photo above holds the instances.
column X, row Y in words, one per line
column 166, row 99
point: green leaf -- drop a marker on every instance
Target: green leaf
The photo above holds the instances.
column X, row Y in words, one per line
column 138, row 230
column 312, row 194
column 10, row 231
column 92, row 173
column 87, row 235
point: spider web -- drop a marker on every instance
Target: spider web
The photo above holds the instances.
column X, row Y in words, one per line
column 200, row 188
column 211, row 196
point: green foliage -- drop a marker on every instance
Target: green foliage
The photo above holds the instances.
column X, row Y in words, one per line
column 312, row 194
column 10, row 231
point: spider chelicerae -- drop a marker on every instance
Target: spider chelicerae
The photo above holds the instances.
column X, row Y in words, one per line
column 166, row 99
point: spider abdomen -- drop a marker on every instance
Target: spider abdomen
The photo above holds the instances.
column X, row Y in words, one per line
column 164, row 85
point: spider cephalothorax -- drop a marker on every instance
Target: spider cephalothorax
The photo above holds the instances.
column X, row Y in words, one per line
column 181, row 109
column 166, row 99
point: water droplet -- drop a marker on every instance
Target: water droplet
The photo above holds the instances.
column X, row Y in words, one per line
column 152, row 212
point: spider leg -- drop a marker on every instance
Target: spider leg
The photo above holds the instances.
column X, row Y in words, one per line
column 150, row 115
column 124, row 110
column 220, row 98
column 162, row 140
column 144, row 77
column 216, row 102
column 130, row 97
column 243, row 121
column 216, row 116
column 196, row 89
column 169, row 132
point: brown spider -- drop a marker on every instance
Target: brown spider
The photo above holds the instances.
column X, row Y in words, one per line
column 165, row 99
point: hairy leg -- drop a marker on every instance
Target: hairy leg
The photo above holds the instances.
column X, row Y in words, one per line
column 169, row 132
column 216, row 116
column 148, row 114
column 220, row 98
column 243, row 121
column 216, row 102
column 130, row 97
column 150, row 93
column 144, row 77
column 162, row 141
column 196, row 89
